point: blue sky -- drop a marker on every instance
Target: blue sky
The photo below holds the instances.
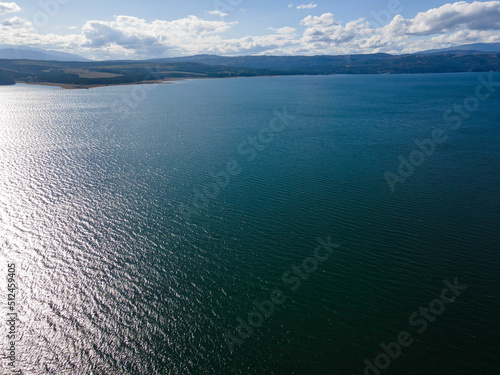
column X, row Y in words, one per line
column 145, row 29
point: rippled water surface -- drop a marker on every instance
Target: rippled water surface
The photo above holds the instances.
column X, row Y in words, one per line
column 123, row 268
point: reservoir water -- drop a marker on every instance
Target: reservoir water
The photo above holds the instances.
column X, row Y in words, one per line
column 177, row 229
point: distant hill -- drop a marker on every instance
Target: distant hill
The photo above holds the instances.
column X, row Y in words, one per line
column 310, row 64
column 355, row 64
column 323, row 64
column 290, row 63
column 467, row 48
column 38, row 54
column 93, row 73
column 102, row 73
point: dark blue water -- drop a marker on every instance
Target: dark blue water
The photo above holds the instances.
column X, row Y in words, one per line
column 146, row 225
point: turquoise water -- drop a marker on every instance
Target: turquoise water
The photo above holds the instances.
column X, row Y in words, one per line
column 122, row 270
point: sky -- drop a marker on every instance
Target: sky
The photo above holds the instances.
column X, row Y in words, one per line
column 140, row 29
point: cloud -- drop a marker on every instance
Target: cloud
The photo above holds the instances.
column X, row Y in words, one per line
column 143, row 38
column 286, row 30
column 307, row 6
column 9, row 8
column 290, row 5
column 324, row 31
column 217, row 13
column 451, row 17
column 133, row 37
column 326, row 19
column 99, row 34
column 16, row 21
column 261, row 44
column 25, row 35
column 450, row 24
column 458, row 38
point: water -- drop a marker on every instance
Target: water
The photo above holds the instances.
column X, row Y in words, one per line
column 116, row 277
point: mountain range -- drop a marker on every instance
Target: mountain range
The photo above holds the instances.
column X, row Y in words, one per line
column 469, row 48
column 35, row 66
column 28, row 53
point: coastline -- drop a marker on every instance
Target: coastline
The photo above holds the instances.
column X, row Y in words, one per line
column 86, row 87
column 166, row 81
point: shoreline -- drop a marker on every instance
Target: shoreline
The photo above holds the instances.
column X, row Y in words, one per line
column 167, row 81
column 68, row 86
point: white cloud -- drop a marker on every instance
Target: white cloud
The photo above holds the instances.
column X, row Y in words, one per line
column 451, row 24
column 324, row 31
column 143, row 38
column 16, row 21
column 19, row 35
column 290, row 5
column 283, row 30
column 125, row 36
column 326, row 19
column 217, row 13
column 451, row 17
column 9, row 8
column 286, row 30
column 307, row 6
column 448, row 40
